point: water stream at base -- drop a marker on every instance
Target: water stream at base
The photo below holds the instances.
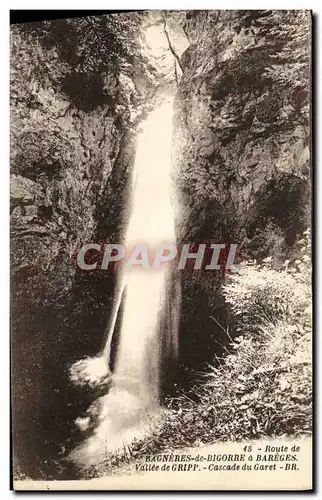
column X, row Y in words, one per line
column 132, row 405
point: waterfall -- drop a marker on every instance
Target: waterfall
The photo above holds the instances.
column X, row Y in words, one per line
column 151, row 223
column 132, row 402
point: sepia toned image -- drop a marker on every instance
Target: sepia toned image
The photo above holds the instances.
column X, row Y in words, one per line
column 160, row 226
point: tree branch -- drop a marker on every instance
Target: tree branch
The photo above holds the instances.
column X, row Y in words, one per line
column 175, row 55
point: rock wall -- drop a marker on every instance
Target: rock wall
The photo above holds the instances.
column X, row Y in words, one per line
column 75, row 105
column 242, row 149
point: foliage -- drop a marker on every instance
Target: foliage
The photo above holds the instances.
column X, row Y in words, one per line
column 86, row 49
column 87, row 44
column 260, row 294
column 263, row 386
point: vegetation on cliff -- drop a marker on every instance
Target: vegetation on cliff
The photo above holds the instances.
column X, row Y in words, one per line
column 262, row 387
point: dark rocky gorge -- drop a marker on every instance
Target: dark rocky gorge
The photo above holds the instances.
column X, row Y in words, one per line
column 241, row 148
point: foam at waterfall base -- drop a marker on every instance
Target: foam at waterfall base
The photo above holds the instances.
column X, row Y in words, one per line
column 130, row 410
column 91, row 372
column 125, row 416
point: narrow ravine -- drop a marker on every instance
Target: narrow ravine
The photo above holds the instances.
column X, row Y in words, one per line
column 168, row 128
column 133, row 400
column 144, row 309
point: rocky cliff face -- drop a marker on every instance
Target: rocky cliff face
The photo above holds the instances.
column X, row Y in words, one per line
column 242, row 145
column 67, row 139
column 78, row 92
column 243, row 110
column 79, row 89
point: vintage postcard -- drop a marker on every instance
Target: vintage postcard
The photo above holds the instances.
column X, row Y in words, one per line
column 161, row 295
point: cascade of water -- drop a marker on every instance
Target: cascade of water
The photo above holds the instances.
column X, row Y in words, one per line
column 151, row 223
column 134, row 394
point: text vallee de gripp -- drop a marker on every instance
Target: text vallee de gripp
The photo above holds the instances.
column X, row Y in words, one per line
column 191, row 256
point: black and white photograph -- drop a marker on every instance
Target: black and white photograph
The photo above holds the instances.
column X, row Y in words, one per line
column 160, row 250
